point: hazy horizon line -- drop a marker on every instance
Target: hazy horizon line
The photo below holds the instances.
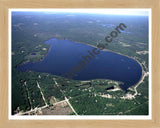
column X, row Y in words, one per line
column 127, row 12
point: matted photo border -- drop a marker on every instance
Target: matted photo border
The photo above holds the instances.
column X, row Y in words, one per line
column 79, row 117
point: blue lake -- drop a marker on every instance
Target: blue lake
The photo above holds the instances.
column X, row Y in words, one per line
column 64, row 55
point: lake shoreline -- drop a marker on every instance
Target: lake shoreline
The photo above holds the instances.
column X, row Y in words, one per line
column 143, row 72
column 48, row 50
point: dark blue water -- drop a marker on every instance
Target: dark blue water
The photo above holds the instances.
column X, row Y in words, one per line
column 33, row 54
column 63, row 55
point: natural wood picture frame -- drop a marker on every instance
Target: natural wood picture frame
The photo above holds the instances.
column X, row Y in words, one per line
column 5, row 5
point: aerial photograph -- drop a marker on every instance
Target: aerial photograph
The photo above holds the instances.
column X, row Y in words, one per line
column 78, row 62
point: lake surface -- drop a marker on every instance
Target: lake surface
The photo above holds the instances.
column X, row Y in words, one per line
column 63, row 55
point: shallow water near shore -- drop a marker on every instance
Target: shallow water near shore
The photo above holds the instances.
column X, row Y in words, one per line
column 64, row 55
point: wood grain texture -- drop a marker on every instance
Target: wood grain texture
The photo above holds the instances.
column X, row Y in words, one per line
column 6, row 4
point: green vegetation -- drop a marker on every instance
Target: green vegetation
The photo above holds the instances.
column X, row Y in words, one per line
column 49, row 87
column 96, row 105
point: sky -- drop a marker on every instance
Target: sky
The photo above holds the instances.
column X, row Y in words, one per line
column 137, row 12
column 108, row 11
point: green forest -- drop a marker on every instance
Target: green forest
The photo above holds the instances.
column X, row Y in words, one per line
column 31, row 30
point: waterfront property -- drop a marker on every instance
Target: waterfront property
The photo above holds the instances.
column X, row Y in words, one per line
column 64, row 55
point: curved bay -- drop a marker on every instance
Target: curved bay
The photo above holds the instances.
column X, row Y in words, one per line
column 64, row 55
